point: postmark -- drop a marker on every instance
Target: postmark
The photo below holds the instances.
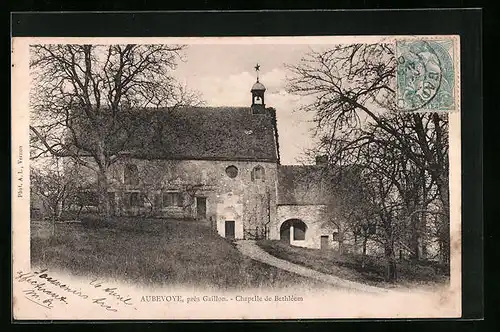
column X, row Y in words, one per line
column 426, row 75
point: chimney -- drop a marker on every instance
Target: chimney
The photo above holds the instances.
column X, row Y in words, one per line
column 322, row 160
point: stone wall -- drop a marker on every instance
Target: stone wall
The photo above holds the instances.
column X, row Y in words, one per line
column 248, row 202
column 314, row 216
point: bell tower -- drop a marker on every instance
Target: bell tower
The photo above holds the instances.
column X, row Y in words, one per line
column 258, row 90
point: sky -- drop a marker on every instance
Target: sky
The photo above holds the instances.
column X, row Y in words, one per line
column 224, row 74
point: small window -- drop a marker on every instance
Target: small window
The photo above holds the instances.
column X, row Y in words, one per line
column 232, row 171
column 134, row 199
column 172, row 199
column 131, row 174
column 258, row 173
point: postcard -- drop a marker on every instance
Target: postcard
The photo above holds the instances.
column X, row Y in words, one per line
column 236, row 178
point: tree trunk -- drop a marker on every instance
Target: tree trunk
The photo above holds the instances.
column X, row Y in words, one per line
column 79, row 212
column 55, row 211
column 102, row 193
column 444, row 236
column 444, row 240
column 341, row 243
column 53, row 226
column 390, row 274
column 415, row 239
column 363, row 256
column 442, row 183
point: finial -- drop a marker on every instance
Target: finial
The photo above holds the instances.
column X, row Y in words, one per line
column 257, row 69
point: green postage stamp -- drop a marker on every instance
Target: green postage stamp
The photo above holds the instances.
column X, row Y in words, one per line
column 427, row 74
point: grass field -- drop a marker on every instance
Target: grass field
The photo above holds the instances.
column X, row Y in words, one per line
column 154, row 252
column 349, row 266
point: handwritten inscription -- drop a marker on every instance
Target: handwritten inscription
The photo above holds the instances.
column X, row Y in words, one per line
column 40, row 292
column 111, row 292
column 47, row 291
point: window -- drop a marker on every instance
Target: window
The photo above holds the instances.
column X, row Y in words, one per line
column 232, row 171
column 258, row 173
column 133, row 199
column 172, row 199
column 131, row 174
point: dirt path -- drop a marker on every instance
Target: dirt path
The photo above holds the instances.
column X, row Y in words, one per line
column 251, row 249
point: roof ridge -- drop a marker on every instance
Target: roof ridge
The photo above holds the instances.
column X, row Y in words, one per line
column 298, row 165
column 187, row 109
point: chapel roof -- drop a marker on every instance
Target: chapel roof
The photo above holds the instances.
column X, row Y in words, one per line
column 204, row 133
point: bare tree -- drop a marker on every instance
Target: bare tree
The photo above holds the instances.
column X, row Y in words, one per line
column 55, row 187
column 404, row 156
column 352, row 87
column 348, row 206
column 402, row 197
column 84, row 98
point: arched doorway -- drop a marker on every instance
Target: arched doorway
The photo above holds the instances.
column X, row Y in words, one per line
column 299, row 230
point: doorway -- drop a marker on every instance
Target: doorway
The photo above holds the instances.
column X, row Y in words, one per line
column 229, row 229
column 324, row 242
column 297, row 233
column 201, row 208
column 285, row 234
